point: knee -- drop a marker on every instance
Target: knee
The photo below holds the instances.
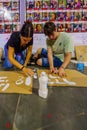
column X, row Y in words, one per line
column 7, row 64
column 39, row 62
column 39, row 50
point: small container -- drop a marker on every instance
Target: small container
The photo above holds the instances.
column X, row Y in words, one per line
column 80, row 64
column 43, row 89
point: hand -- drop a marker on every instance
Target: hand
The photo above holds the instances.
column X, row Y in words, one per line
column 61, row 72
column 28, row 71
column 51, row 70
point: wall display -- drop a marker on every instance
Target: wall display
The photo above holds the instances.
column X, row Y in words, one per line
column 68, row 15
column 9, row 16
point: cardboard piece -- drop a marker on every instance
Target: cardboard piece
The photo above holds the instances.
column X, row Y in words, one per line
column 72, row 76
column 81, row 50
column 12, row 77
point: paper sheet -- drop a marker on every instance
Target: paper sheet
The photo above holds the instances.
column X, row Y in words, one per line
column 81, row 50
column 73, row 76
column 10, row 78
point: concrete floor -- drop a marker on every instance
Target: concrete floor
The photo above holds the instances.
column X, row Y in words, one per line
column 64, row 109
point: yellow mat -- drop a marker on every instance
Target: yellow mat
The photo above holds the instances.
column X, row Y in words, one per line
column 11, row 78
column 79, row 79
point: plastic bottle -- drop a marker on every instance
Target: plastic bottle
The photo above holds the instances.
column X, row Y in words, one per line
column 80, row 64
column 43, row 89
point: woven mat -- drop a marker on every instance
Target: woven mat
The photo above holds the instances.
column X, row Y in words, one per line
column 75, row 78
column 11, row 78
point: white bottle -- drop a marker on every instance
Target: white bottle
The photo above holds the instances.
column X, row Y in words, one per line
column 43, row 89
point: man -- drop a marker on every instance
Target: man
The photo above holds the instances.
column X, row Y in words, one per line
column 59, row 50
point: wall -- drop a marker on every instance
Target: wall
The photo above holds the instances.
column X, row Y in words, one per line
column 40, row 39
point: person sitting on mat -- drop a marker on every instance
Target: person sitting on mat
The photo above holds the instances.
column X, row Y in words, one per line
column 59, row 50
column 15, row 46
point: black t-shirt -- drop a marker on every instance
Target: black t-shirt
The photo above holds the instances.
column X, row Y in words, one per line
column 15, row 42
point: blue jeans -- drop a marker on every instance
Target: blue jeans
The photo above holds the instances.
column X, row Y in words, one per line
column 20, row 57
column 56, row 61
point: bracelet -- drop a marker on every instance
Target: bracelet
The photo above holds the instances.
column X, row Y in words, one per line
column 22, row 67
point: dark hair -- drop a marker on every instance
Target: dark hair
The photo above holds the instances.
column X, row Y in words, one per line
column 49, row 28
column 27, row 29
column 37, row 25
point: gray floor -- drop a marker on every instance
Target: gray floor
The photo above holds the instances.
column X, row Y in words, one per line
column 64, row 109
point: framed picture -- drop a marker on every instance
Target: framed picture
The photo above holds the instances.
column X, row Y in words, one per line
column 46, row 4
column 30, row 4
column 62, row 4
column 70, row 4
column 15, row 5
column 53, row 4
column 38, row 4
column 52, row 16
column 38, row 28
column 45, row 16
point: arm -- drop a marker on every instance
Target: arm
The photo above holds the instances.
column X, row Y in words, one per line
column 28, row 55
column 50, row 59
column 67, row 58
column 68, row 49
column 11, row 58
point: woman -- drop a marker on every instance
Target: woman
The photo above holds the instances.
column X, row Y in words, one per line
column 15, row 46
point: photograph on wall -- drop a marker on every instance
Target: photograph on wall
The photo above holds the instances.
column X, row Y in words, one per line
column 30, row 4
column 61, row 27
column 52, row 16
column 8, row 28
column 38, row 4
column 1, row 28
column 60, row 16
column 46, row 4
column 85, row 4
column 69, row 27
column 45, row 16
column 69, row 16
column 1, row 17
column 77, row 16
column 78, row 4
column 77, row 27
column 38, row 28
column 62, row 4
column 84, row 27
column 7, row 16
column 15, row 5
column 15, row 27
column 70, row 4
column 15, row 17
column 7, row 5
column 84, row 15
column 30, row 16
column 1, row 6
column 53, row 4
column 37, row 16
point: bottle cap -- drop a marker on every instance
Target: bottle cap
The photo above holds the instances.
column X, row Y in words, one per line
column 43, row 73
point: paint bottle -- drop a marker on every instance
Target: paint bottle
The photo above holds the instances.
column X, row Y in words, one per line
column 43, row 88
column 80, row 64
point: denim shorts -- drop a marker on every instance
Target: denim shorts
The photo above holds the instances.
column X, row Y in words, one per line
column 20, row 57
column 56, row 61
